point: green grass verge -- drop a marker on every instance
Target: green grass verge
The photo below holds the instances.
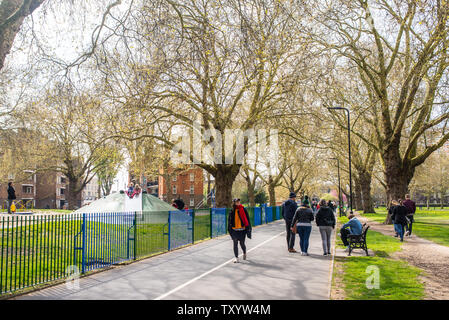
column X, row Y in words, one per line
column 398, row 280
column 432, row 225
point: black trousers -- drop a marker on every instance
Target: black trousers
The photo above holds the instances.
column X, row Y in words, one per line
column 409, row 226
column 290, row 235
column 344, row 236
column 238, row 236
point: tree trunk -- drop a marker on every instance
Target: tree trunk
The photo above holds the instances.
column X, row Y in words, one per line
column 357, row 195
column 224, row 179
column 251, row 192
column 271, row 191
column 365, row 184
column 72, row 194
column 397, row 177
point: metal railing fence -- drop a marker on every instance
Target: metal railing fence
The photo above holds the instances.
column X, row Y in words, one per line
column 37, row 249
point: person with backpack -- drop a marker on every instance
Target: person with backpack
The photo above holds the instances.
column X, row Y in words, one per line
column 325, row 220
column 239, row 227
column 302, row 222
column 11, row 196
column 288, row 211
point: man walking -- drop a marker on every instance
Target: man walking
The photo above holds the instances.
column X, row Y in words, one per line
column 11, row 196
column 411, row 209
column 288, row 211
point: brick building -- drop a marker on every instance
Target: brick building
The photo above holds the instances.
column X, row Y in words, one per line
column 187, row 185
column 25, row 191
column 90, row 192
column 46, row 190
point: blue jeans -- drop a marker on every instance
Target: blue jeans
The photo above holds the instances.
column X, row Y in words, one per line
column 399, row 228
column 304, row 235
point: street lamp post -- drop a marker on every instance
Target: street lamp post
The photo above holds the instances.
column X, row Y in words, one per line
column 349, row 148
column 339, row 185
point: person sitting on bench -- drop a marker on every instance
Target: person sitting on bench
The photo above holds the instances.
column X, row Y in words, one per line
column 355, row 227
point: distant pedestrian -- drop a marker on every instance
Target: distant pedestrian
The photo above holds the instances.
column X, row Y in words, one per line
column 411, row 209
column 355, row 227
column 325, row 220
column 331, row 205
column 399, row 217
column 288, row 211
column 393, row 204
column 306, row 200
column 11, row 196
column 303, row 220
column 239, row 227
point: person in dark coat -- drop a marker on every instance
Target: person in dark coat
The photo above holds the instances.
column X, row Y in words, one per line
column 325, row 220
column 11, row 196
column 411, row 209
column 303, row 220
column 239, row 227
column 399, row 217
column 288, row 211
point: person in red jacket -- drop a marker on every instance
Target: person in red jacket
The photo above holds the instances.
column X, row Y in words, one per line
column 239, row 227
column 411, row 209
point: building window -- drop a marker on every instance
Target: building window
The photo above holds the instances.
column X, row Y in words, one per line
column 61, row 192
column 192, row 177
column 174, row 179
column 11, row 176
column 27, row 189
column 62, row 180
column 192, row 189
column 174, row 190
column 192, row 202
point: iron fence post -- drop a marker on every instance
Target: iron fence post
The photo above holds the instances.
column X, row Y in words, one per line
column 169, row 229
column 193, row 226
column 83, row 258
column 210, row 220
column 135, row 235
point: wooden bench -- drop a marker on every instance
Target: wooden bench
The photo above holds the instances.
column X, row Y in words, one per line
column 358, row 241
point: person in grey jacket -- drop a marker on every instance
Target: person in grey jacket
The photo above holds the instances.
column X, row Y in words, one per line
column 325, row 220
column 288, row 211
column 303, row 219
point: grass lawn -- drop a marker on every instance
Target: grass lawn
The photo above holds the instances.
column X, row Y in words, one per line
column 431, row 224
column 397, row 279
column 41, row 250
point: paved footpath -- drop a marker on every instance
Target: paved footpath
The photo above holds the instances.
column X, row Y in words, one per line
column 206, row 271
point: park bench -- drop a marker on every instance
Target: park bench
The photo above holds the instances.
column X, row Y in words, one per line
column 358, row 241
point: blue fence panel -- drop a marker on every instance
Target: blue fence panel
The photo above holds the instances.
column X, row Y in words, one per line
column 269, row 214
column 257, row 216
column 218, row 227
column 278, row 213
column 180, row 228
column 108, row 239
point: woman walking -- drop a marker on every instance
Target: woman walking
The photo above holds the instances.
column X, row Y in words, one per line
column 239, row 227
column 303, row 221
column 325, row 220
column 399, row 217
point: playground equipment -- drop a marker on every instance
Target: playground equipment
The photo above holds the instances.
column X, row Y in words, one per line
column 21, row 206
column 211, row 196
